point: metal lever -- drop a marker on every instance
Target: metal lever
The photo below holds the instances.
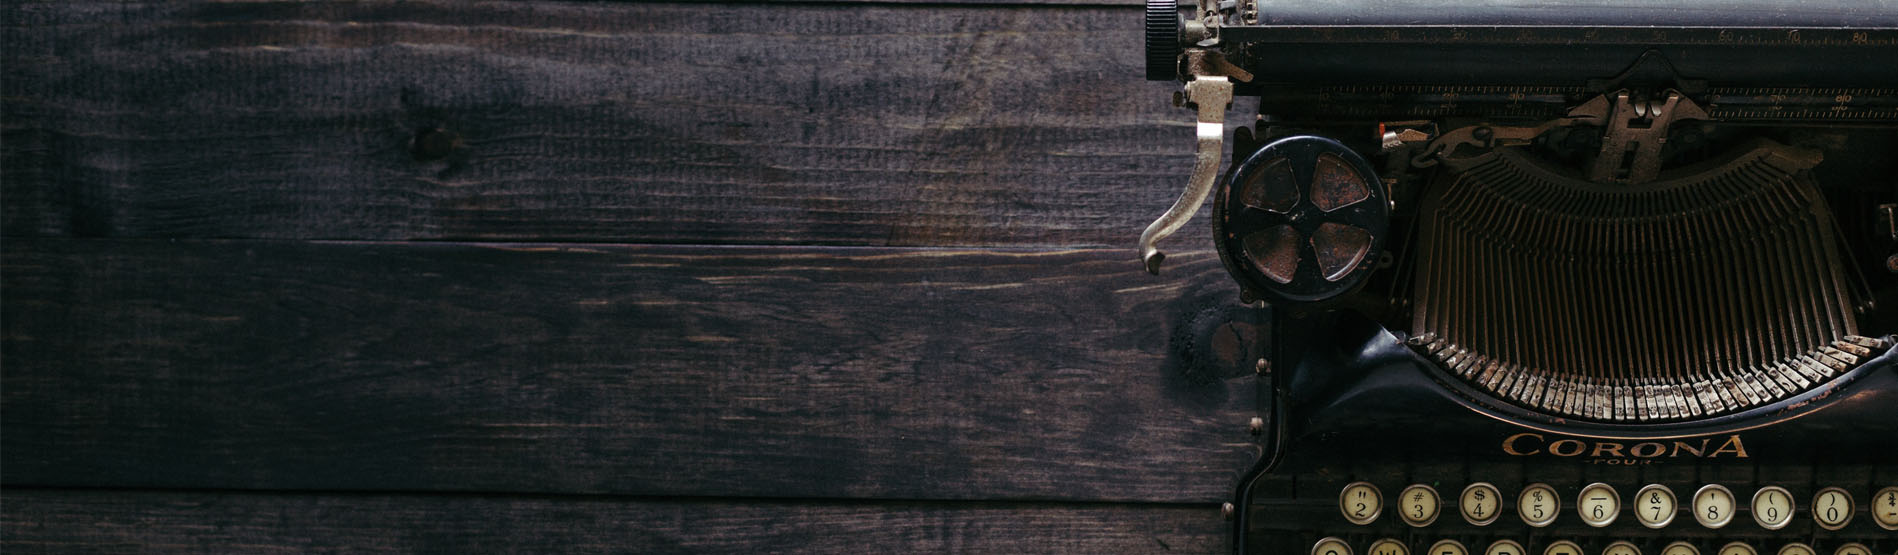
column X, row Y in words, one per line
column 1212, row 94
column 1631, row 145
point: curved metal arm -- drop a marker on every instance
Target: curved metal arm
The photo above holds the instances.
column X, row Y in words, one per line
column 1212, row 94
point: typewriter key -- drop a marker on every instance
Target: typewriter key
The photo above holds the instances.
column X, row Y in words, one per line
column 1736, row 548
column 1713, row 506
column 1885, row 508
column 1447, row 547
column 1418, row 505
column 1621, row 548
column 1680, row 548
column 1360, row 502
column 1654, row 506
column 1832, row 508
column 1388, row 546
column 1796, row 548
column 1504, row 547
column 1598, row 504
column 1772, row 507
column 1538, row 505
column 1479, row 503
column 1853, row 548
column 1563, row 547
column 1330, row 546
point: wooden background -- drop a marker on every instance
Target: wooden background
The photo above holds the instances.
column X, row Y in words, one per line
column 693, row 277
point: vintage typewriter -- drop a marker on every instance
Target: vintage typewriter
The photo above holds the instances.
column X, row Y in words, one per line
column 1556, row 278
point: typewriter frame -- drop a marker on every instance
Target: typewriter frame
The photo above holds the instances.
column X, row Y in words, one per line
column 1327, row 66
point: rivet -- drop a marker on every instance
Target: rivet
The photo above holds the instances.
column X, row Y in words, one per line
column 1225, row 511
column 1257, row 426
column 1262, row 367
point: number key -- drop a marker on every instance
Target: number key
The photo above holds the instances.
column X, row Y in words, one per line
column 1885, row 508
column 1654, row 506
column 1598, row 504
column 1480, row 503
column 1772, row 507
column 1538, row 505
column 1360, row 502
column 1418, row 505
column 1832, row 508
column 1713, row 506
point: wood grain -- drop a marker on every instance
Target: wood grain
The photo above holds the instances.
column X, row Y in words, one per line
column 586, row 122
column 65, row 521
column 651, row 370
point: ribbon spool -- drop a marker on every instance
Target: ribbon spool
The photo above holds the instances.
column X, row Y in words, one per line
column 1302, row 220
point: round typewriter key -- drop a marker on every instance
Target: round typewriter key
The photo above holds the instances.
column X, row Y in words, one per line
column 1885, row 508
column 1504, row 547
column 1562, row 547
column 1330, row 546
column 1736, row 548
column 1538, row 505
column 1388, row 546
column 1621, row 548
column 1853, row 548
column 1480, row 503
column 1360, row 502
column 1598, row 504
column 1713, row 506
column 1796, row 548
column 1418, row 505
column 1447, row 547
column 1831, row 508
column 1680, row 548
column 1772, row 507
column 1654, row 506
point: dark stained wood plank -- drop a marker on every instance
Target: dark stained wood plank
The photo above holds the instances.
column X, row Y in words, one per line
column 64, row 521
column 652, row 370
column 586, row 122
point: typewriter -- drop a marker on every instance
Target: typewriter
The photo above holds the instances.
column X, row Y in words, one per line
column 1589, row 277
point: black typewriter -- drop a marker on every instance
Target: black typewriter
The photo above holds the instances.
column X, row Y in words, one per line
column 1590, row 277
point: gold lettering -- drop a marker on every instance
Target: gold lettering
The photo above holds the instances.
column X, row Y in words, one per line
column 1737, row 448
column 1679, row 446
column 1509, row 444
column 1530, row 443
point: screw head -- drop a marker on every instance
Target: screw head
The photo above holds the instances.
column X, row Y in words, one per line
column 1891, row 263
column 1257, row 426
column 1262, row 367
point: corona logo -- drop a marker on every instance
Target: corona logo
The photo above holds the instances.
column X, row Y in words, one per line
column 1530, row 443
